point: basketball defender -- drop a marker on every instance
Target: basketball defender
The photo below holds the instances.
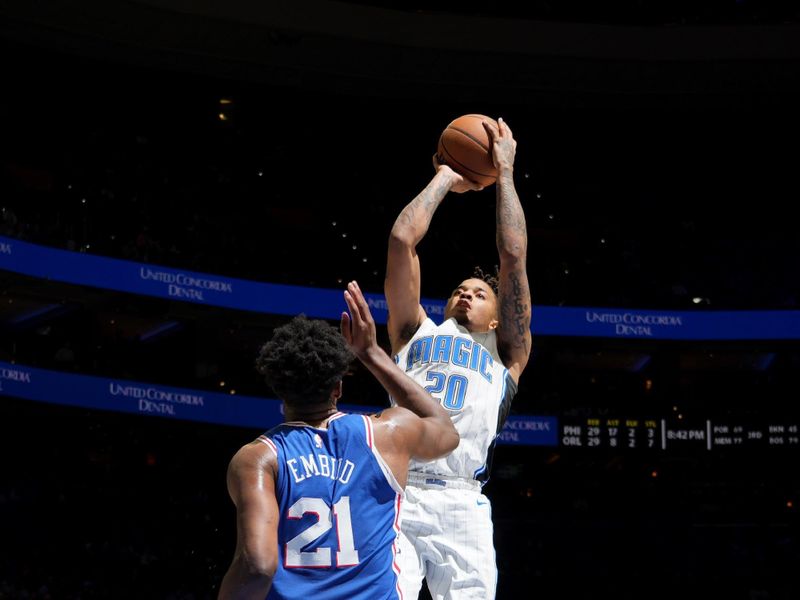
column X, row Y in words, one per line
column 318, row 497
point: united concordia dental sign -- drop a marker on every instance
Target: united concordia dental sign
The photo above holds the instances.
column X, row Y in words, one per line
column 214, row 290
column 148, row 399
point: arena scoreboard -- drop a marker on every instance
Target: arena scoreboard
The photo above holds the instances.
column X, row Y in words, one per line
column 676, row 433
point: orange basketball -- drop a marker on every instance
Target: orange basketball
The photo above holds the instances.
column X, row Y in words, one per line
column 466, row 148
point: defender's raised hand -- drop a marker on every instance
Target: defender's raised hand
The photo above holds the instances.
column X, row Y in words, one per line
column 358, row 327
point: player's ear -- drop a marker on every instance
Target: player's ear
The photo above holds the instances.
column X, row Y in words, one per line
column 493, row 324
column 336, row 392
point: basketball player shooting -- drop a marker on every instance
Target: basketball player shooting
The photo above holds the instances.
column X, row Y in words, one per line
column 471, row 363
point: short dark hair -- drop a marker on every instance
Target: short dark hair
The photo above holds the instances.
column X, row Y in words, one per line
column 493, row 281
column 304, row 360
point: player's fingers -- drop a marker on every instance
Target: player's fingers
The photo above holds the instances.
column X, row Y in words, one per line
column 491, row 130
column 363, row 307
column 504, row 128
column 473, row 186
column 344, row 325
column 355, row 317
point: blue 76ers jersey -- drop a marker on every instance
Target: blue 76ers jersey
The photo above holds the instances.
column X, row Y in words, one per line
column 340, row 507
column 464, row 372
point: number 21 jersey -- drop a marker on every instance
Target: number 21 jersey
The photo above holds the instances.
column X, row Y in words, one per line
column 339, row 504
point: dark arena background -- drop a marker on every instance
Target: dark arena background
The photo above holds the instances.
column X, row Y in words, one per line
column 178, row 178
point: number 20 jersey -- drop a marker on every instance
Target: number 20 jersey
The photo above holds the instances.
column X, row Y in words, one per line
column 464, row 372
column 339, row 520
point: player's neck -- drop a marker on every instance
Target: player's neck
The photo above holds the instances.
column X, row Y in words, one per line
column 473, row 328
column 314, row 415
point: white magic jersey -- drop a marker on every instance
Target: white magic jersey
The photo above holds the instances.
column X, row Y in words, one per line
column 463, row 371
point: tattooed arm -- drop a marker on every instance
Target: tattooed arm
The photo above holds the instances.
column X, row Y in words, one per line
column 514, row 330
column 402, row 285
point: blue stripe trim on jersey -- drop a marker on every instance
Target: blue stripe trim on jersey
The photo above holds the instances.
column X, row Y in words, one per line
column 506, row 397
column 505, row 384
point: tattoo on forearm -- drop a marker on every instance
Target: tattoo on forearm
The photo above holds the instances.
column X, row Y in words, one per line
column 512, row 239
column 419, row 212
column 512, row 233
column 515, row 311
